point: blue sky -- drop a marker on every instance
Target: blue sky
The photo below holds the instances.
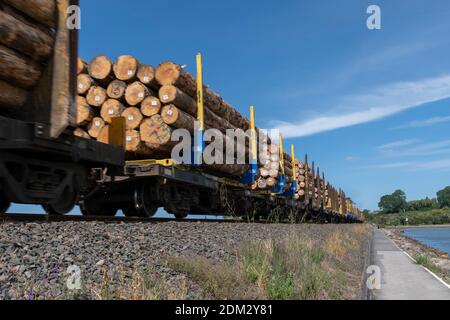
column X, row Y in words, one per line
column 370, row 106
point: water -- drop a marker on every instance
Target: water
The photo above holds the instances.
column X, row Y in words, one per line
column 438, row 238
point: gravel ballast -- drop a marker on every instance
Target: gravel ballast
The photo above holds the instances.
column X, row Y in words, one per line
column 34, row 257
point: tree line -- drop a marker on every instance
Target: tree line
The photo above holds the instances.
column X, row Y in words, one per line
column 396, row 202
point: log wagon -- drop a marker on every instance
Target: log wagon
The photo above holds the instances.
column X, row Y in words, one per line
column 41, row 161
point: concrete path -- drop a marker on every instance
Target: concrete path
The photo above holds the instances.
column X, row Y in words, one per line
column 401, row 278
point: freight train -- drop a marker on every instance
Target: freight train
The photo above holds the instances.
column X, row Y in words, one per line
column 42, row 162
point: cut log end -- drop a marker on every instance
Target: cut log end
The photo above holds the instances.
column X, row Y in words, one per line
column 110, row 109
column 103, row 135
column 100, row 68
column 150, row 106
column 82, row 66
column 155, row 131
column 96, row 96
column 116, row 89
column 95, row 126
column 167, row 94
column 85, row 82
column 136, row 93
column 81, row 133
column 133, row 118
column 126, row 68
column 85, row 113
column 168, row 73
column 146, row 74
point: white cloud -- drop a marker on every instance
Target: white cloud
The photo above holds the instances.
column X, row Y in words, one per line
column 377, row 104
column 436, row 165
column 397, row 144
column 425, row 123
column 412, row 147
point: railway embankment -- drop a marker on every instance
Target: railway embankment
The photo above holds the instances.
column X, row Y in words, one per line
column 96, row 260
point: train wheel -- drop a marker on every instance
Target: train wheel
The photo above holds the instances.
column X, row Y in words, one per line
column 146, row 211
column 181, row 215
column 143, row 205
column 63, row 205
column 91, row 207
column 4, row 204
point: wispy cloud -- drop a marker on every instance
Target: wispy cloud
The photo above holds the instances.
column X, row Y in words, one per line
column 424, row 123
column 397, row 144
column 376, row 104
column 435, row 165
column 413, row 147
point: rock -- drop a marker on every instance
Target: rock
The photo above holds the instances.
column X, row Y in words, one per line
column 100, row 263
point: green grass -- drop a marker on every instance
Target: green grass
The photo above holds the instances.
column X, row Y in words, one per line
column 294, row 267
column 428, row 217
column 424, row 260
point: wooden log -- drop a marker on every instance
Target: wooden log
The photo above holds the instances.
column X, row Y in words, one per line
column 274, row 149
column 146, row 75
column 110, row 109
column 96, row 96
column 42, row 11
column 101, row 69
column 231, row 170
column 116, row 90
column 267, row 165
column 172, row 95
column 169, row 73
column 273, row 173
column 133, row 118
column 270, row 182
column 78, row 132
column 11, row 97
column 262, row 183
column 85, row 114
column 103, row 135
column 85, row 82
column 82, row 66
column 18, row 69
column 134, row 144
column 126, row 68
column 155, row 131
column 263, row 172
column 161, row 150
column 136, row 93
column 95, row 126
column 150, row 106
column 275, row 157
column 23, row 37
column 176, row 118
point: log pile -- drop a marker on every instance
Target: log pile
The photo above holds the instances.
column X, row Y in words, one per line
column 154, row 102
column 270, row 170
column 26, row 45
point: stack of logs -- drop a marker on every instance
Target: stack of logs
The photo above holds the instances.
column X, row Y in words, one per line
column 315, row 190
column 270, row 169
column 153, row 102
column 26, row 44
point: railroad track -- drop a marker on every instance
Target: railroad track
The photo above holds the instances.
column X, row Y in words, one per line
column 18, row 217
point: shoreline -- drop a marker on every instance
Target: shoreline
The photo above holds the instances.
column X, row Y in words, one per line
column 437, row 260
column 420, row 226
